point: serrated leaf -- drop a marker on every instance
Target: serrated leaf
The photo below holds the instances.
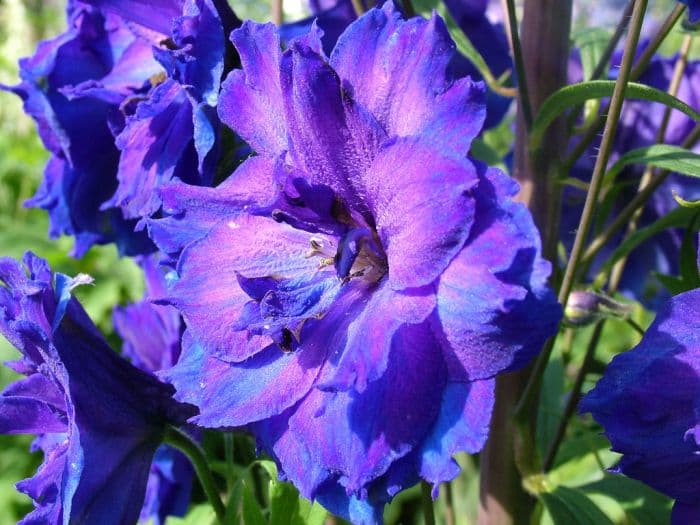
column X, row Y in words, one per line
column 665, row 156
column 575, row 94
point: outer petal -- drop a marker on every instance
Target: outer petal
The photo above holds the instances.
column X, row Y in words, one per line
column 493, row 302
column 251, row 99
column 462, row 426
column 400, row 74
column 354, row 438
column 157, row 146
column 193, row 211
column 423, row 216
column 158, row 15
column 647, row 401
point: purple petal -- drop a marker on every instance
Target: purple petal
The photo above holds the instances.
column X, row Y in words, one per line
column 400, row 74
column 493, row 301
column 424, row 216
column 248, row 246
column 251, row 99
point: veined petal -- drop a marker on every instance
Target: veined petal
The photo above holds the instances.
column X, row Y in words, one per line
column 493, row 302
column 400, row 74
column 249, row 246
column 421, row 202
column 251, row 98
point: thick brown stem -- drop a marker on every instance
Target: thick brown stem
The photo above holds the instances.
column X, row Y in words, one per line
column 545, row 45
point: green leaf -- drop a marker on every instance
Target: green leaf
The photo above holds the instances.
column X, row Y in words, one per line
column 573, row 507
column 252, row 514
column 202, row 514
column 677, row 218
column 689, row 258
column 665, row 156
column 575, row 94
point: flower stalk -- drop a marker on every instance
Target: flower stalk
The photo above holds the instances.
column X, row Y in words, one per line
column 181, row 441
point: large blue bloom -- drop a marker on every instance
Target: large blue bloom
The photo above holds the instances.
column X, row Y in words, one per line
column 99, row 419
column 351, row 292
column 72, row 87
column 639, row 125
column 151, row 335
column 648, row 401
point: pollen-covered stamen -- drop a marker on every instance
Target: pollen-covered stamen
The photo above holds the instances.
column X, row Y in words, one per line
column 324, row 250
column 359, row 256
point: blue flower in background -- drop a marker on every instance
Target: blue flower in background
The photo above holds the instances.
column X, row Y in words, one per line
column 351, row 292
column 638, row 127
column 125, row 102
column 693, row 9
column 73, row 87
column 99, row 419
column 174, row 132
column 648, row 401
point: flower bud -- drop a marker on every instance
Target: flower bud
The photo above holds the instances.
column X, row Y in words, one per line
column 585, row 307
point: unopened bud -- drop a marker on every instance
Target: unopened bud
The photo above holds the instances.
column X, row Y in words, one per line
column 584, row 307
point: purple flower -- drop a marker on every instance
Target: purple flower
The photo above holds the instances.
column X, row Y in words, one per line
column 639, row 125
column 72, row 87
column 174, row 132
column 351, row 292
column 151, row 335
column 648, row 401
column 99, row 419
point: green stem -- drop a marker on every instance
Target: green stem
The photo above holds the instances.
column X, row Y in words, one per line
column 427, row 499
column 605, row 149
column 572, row 402
column 228, row 453
column 530, row 394
column 639, row 68
column 358, row 7
column 519, row 64
column 185, row 444
column 639, row 200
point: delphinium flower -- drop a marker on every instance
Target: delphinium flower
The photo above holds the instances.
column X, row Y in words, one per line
column 72, row 87
column 639, row 127
column 151, row 335
column 648, row 402
column 351, row 292
column 173, row 132
column 125, row 101
column 98, row 418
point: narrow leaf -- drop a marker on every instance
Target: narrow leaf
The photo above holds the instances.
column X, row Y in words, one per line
column 665, row 156
column 575, row 94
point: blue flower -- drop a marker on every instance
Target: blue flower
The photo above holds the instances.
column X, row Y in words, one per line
column 99, row 419
column 72, row 87
column 648, row 401
column 351, row 291
column 174, row 132
column 693, row 9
